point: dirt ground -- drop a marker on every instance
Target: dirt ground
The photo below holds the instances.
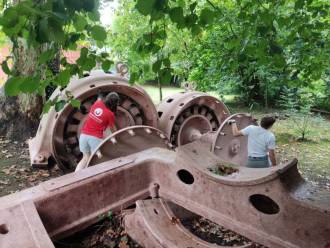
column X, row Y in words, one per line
column 16, row 173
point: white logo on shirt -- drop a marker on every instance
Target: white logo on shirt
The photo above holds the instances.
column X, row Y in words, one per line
column 98, row 112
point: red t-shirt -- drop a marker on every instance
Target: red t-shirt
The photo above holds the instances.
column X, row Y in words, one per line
column 99, row 118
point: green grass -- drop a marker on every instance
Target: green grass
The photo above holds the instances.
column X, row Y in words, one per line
column 313, row 154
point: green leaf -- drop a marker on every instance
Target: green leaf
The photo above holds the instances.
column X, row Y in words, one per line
column 207, row 16
column 106, row 64
column 63, row 77
column 267, row 18
column 59, row 105
column 196, row 29
column 299, row 4
column 192, row 6
column 83, row 52
column 89, row 64
column 176, row 15
column 46, row 56
column 279, row 61
column 190, row 20
column 165, row 75
column 5, row 67
column 79, row 22
column 133, row 77
column 98, row 33
column 75, row 103
column 12, row 86
column 145, row 7
column 156, row 66
column 167, row 62
column 93, row 16
column 56, row 32
column 30, row 84
column 104, row 55
column 42, row 31
column 47, row 106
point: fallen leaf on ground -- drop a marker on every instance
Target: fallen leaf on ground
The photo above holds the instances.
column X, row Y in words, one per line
column 6, row 171
column 175, row 220
column 123, row 244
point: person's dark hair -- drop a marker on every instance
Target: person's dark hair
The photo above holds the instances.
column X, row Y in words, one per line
column 112, row 101
column 267, row 122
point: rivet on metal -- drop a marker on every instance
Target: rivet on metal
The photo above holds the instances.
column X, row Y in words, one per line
column 148, row 131
column 162, row 136
column 131, row 132
column 113, row 140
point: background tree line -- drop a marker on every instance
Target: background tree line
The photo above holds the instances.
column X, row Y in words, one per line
column 258, row 50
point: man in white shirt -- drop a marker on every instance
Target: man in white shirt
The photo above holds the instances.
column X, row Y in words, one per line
column 261, row 142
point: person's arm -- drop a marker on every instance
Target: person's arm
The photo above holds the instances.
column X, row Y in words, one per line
column 272, row 157
column 271, row 145
column 234, row 128
column 113, row 128
column 112, row 125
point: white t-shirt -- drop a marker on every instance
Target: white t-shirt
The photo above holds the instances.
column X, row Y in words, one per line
column 260, row 140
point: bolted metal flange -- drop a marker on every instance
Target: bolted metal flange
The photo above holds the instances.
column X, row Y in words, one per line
column 128, row 141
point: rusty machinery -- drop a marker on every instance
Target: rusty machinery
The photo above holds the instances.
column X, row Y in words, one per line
column 272, row 206
column 57, row 136
column 186, row 116
column 183, row 117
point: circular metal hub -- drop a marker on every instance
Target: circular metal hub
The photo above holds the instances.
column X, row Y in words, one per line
column 186, row 116
column 228, row 147
column 128, row 141
column 193, row 128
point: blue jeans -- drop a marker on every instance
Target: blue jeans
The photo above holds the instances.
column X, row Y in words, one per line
column 258, row 162
column 88, row 143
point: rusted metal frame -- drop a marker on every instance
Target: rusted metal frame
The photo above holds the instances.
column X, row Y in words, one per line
column 29, row 230
column 75, row 201
column 70, row 203
column 226, row 200
column 153, row 224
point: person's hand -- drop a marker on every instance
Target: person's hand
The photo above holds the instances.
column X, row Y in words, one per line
column 231, row 121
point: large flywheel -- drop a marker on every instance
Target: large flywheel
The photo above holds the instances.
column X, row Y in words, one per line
column 185, row 116
column 58, row 134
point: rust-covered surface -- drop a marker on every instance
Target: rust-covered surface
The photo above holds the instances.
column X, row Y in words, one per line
column 185, row 116
column 228, row 147
column 272, row 206
column 58, row 133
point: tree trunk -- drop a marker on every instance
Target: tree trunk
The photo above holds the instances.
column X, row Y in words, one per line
column 160, row 90
column 19, row 116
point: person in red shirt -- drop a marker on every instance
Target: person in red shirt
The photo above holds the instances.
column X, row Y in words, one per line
column 100, row 117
